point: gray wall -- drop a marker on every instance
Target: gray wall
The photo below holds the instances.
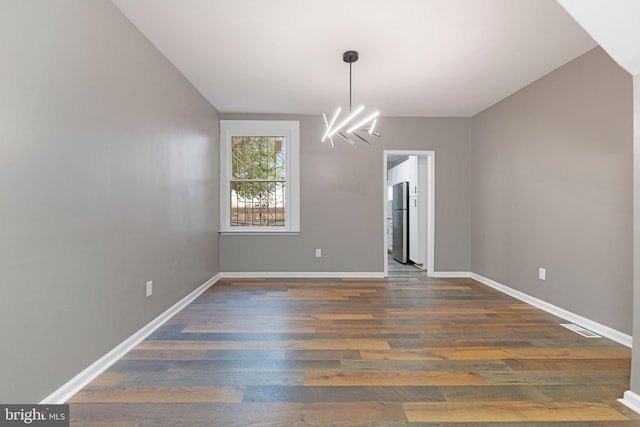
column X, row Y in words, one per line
column 635, row 360
column 108, row 178
column 552, row 187
column 342, row 201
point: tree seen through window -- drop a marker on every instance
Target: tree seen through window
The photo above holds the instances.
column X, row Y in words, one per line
column 258, row 177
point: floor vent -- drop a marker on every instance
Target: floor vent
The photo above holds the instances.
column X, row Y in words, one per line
column 580, row 330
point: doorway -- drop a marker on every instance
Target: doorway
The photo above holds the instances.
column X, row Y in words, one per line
column 424, row 198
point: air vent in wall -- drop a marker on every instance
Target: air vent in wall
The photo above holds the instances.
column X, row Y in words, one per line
column 580, row 330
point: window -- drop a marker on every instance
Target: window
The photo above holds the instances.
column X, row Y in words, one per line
column 259, row 170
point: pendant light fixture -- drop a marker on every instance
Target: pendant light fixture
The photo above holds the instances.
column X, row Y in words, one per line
column 353, row 125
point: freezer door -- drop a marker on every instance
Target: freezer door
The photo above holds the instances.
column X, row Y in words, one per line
column 400, row 195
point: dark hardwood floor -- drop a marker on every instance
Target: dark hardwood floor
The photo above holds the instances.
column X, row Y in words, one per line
column 407, row 351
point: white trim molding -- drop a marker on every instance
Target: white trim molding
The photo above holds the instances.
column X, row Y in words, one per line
column 452, row 274
column 430, row 156
column 290, row 130
column 631, row 400
column 605, row 331
column 77, row 383
column 301, row 275
column 258, row 233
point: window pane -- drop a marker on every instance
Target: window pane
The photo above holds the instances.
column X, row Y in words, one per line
column 259, row 185
column 258, row 157
column 257, row 203
column 258, row 181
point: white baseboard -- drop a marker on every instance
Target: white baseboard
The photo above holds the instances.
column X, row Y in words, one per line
column 605, row 331
column 301, row 275
column 77, row 383
column 631, row 400
column 452, row 274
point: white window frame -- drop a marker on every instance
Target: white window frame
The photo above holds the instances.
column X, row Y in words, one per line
column 290, row 129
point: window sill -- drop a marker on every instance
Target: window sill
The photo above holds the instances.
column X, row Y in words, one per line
column 258, row 233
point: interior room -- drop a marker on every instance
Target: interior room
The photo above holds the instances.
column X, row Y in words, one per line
column 198, row 213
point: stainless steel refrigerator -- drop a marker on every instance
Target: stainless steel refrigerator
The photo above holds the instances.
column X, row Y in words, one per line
column 400, row 215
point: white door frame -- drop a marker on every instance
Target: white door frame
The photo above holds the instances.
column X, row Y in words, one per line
column 431, row 200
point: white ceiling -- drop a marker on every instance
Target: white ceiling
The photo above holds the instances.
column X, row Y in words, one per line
column 614, row 23
column 417, row 57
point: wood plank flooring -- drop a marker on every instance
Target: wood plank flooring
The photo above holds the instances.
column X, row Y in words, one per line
column 407, row 351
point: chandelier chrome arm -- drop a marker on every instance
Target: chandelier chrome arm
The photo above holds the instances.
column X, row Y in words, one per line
column 346, row 138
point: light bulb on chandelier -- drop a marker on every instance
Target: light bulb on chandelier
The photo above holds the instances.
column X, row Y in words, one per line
column 344, row 129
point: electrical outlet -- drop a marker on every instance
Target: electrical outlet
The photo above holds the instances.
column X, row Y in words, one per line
column 542, row 273
column 149, row 288
column 318, row 253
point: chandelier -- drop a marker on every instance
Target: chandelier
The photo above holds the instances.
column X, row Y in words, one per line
column 354, row 125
